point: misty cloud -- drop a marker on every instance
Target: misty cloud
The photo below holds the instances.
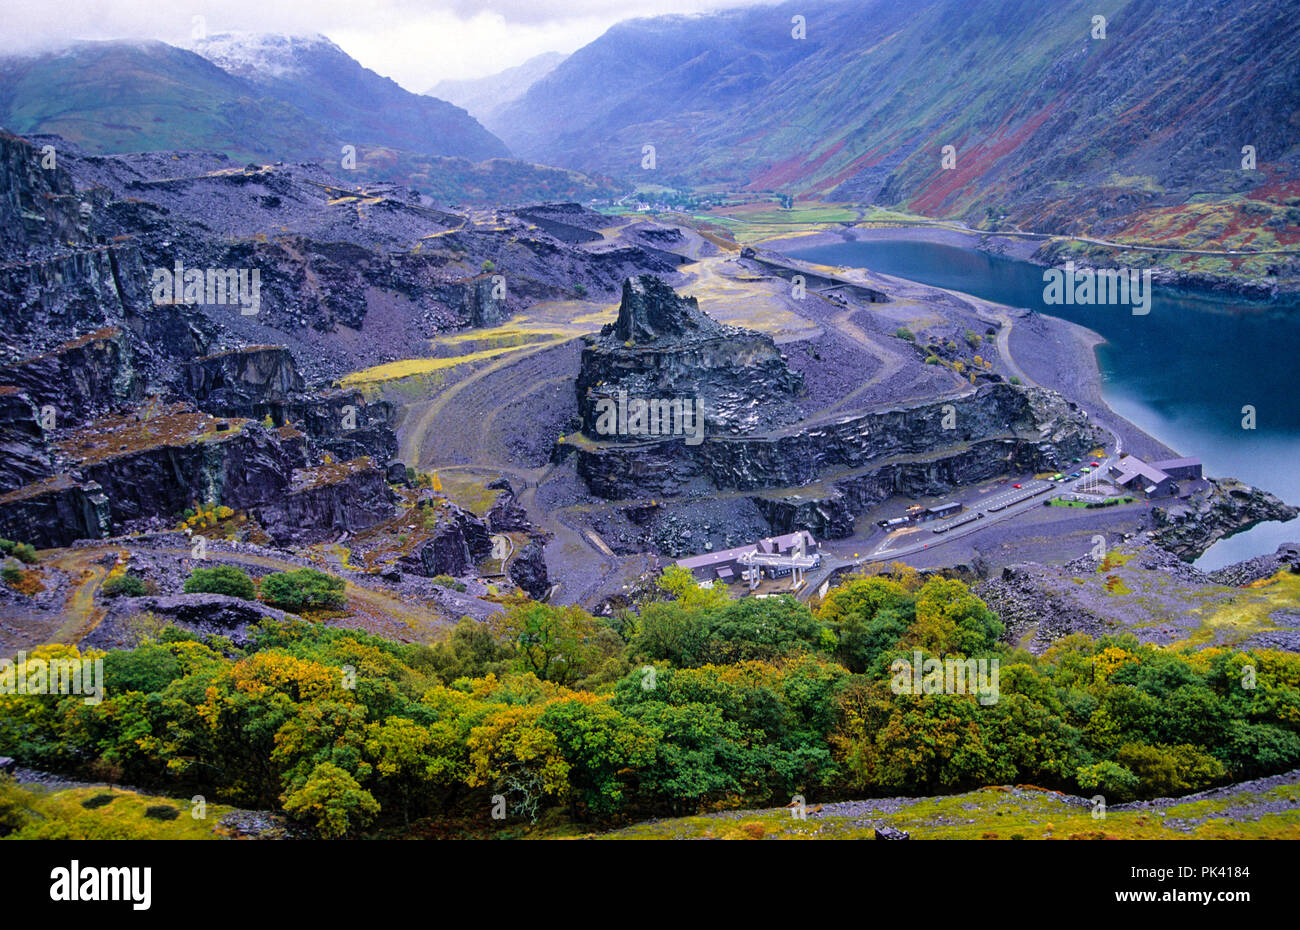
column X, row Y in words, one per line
column 415, row 42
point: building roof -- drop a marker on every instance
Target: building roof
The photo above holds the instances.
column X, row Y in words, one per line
column 1188, row 462
column 1130, row 467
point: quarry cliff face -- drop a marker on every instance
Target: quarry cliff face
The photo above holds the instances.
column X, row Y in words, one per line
column 1029, row 425
column 663, row 348
column 813, row 475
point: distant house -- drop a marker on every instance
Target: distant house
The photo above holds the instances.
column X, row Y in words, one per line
column 774, row 557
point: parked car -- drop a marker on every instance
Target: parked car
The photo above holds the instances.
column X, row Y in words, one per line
column 1074, row 474
column 1016, row 486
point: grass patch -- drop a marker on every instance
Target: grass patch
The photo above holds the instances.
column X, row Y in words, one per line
column 1001, row 813
column 90, row 813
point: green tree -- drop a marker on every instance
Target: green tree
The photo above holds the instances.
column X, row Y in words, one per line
column 333, row 802
column 1110, row 779
column 559, row 644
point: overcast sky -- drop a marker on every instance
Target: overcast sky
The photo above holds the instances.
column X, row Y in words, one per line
column 415, row 42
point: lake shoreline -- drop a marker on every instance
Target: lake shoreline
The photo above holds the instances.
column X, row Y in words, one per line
column 1053, row 352
column 1031, row 250
column 1062, row 354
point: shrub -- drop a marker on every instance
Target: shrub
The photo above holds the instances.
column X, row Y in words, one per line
column 932, row 360
column 125, row 586
column 25, row 552
column 489, row 265
column 1014, row 380
column 7, row 546
column 16, row 806
column 11, row 574
column 904, row 333
column 302, row 588
column 161, row 812
column 446, row 581
column 1110, row 779
column 223, row 579
column 580, row 290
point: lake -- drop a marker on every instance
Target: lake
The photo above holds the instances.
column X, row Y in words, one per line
column 1182, row 372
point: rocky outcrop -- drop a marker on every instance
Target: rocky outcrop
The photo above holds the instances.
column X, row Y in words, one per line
column 506, row 513
column 56, row 512
column 326, row 500
column 1285, row 559
column 205, row 614
column 832, row 515
column 1188, row 528
column 527, row 569
column 568, row 222
column 38, row 202
column 663, row 347
column 120, row 469
column 459, row 541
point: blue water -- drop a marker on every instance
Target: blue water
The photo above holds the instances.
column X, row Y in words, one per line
column 1182, row 372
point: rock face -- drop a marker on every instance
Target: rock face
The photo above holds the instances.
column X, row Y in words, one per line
column 528, row 569
column 1188, row 529
column 664, row 347
column 506, row 514
column 38, row 204
column 459, row 540
column 238, row 382
column 262, row 382
column 80, row 379
column 124, row 468
column 23, row 456
column 328, row 499
column 917, row 450
column 56, row 512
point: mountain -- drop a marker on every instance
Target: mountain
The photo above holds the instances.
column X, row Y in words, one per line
column 267, row 99
column 320, row 80
column 483, row 97
column 144, row 96
column 261, row 97
column 1049, row 124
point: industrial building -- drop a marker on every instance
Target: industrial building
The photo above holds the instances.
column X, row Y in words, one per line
column 1154, row 479
column 774, row 557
